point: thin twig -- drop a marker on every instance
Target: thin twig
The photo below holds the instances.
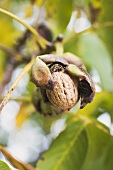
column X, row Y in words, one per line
column 93, row 27
column 75, row 34
column 91, row 121
column 8, row 50
column 20, row 99
column 24, row 71
column 8, row 73
column 103, row 24
column 42, row 42
column 14, row 54
column 17, row 164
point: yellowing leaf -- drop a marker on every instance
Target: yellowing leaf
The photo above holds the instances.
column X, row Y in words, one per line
column 29, row 11
column 38, row 2
column 96, row 3
column 26, row 110
column 8, row 33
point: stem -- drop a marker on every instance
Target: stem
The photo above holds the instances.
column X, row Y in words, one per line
column 8, row 73
column 59, row 45
column 12, row 53
column 17, row 164
column 8, row 50
column 42, row 42
column 74, row 34
column 89, row 121
column 104, row 24
column 24, row 71
column 20, row 99
column 59, row 48
column 94, row 26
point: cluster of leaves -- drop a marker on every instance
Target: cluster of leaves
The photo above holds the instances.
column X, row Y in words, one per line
column 85, row 144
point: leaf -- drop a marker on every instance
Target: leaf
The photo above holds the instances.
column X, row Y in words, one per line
column 98, row 154
column 25, row 111
column 100, row 12
column 84, row 145
column 106, row 32
column 94, row 53
column 103, row 102
column 59, row 12
column 66, row 152
column 4, row 166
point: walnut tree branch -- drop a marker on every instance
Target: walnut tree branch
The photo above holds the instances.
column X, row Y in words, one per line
column 94, row 26
column 41, row 41
column 8, row 73
column 8, row 50
column 17, row 164
column 24, row 71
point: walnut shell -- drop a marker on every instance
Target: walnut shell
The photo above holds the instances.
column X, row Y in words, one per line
column 65, row 93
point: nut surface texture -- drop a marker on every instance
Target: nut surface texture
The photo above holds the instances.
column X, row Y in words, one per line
column 65, row 93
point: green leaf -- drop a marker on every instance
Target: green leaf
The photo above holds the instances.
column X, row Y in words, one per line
column 106, row 31
column 94, row 53
column 4, row 166
column 103, row 102
column 98, row 154
column 66, row 151
column 101, row 12
column 84, row 145
column 60, row 13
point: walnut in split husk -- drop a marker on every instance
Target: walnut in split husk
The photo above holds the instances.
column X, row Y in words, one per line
column 63, row 80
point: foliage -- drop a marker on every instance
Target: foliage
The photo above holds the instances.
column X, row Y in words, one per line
column 85, row 143
column 4, row 166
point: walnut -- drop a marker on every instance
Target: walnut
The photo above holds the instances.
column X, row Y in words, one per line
column 63, row 81
column 65, row 93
